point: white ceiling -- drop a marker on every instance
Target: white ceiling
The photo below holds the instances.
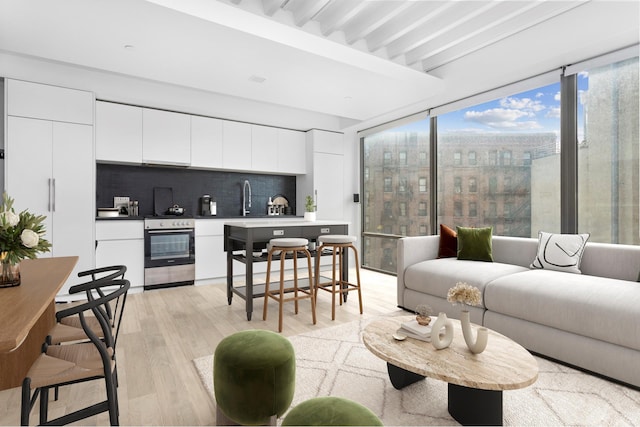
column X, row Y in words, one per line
column 358, row 60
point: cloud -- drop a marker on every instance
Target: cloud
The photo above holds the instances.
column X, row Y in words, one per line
column 539, row 95
column 503, row 118
column 553, row 113
column 556, row 97
column 522, row 104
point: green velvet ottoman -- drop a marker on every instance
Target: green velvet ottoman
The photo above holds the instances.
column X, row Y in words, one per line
column 253, row 377
column 330, row 411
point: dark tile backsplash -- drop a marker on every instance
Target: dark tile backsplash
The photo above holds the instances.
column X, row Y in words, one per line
column 188, row 186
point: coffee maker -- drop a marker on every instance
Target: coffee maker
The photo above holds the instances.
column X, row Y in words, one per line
column 207, row 206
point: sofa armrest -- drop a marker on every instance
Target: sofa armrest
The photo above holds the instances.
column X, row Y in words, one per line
column 412, row 250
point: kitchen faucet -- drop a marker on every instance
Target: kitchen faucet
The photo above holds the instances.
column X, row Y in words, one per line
column 246, row 186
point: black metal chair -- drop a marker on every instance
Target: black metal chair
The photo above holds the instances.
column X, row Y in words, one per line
column 60, row 365
column 68, row 329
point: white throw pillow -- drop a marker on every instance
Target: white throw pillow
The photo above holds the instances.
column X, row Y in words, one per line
column 561, row 252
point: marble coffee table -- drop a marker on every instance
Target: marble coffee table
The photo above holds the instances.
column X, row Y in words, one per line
column 476, row 381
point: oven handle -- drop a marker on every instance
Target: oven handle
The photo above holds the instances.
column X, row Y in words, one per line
column 187, row 230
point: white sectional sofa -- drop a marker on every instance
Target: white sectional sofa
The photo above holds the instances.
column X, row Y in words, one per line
column 589, row 320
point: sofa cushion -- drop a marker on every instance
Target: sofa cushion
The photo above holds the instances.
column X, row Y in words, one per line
column 597, row 307
column 560, row 252
column 474, row 243
column 448, row 247
column 436, row 276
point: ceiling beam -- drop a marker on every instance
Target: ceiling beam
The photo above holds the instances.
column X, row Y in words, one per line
column 382, row 14
column 304, row 12
column 339, row 14
column 414, row 17
column 458, row 16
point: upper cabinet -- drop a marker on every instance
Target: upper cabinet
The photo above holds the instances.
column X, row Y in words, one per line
column 39, row 101
column 264, row 148
column 130, row 134
column 166, row 137
column 236, row 145
column 291, row 152
column 118, row 133
column 206, row 142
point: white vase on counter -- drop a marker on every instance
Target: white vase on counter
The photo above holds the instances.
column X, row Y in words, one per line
column 309, row 216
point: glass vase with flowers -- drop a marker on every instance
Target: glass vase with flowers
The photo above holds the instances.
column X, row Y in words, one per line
column 21, row 236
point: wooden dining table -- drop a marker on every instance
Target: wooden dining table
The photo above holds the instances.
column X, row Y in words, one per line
column 27, row 313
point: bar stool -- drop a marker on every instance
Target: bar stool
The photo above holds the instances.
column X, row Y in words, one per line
column 339, row 244
column 284, row 246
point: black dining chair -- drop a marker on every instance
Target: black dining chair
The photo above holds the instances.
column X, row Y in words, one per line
column 60, row 365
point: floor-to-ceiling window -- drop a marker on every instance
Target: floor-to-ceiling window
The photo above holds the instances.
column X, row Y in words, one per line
column 396, row 191
column 498, row 164
column 608, row 146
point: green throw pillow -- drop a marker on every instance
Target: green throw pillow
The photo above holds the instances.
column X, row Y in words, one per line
column 474, row 243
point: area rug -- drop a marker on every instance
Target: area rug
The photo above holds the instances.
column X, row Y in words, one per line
column 334, row 362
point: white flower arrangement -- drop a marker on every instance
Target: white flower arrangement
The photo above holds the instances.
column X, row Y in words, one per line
column 20, row 234
column 462, row 293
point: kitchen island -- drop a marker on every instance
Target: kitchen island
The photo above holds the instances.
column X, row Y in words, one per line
column 247, row 236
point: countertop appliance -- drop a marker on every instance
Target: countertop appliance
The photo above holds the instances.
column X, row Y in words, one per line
column 169, row 252
column 207, row 206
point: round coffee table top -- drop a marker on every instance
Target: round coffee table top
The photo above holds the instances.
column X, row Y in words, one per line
column 503, row 365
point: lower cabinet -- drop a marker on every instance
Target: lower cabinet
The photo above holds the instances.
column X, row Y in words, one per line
column 211, row 260
column 121, row 242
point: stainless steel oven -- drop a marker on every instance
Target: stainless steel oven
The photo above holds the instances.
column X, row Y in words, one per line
column 169, row 252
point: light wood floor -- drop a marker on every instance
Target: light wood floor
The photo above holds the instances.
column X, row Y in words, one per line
column 165, row 329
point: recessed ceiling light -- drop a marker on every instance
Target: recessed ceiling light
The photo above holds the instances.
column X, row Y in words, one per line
column 257, row 79
column 128, row 46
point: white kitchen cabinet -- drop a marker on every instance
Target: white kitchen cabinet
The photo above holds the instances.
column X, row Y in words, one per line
column 324, row 177
column 39, row 101
column 291, row 152
column 206, row 142
column 166, row 137
column 211, row 259
column 50, row 171
column 264, row 148
column 118, row 133
column 327, row 142
column 121, row 242
column 236, row 145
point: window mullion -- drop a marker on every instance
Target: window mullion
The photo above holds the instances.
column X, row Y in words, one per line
column 568, row 154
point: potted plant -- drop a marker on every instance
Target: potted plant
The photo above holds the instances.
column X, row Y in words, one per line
column 310, row 209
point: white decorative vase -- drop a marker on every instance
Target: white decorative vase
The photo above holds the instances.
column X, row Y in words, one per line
column 309, row 216
column 444, row 341
column 476, row 344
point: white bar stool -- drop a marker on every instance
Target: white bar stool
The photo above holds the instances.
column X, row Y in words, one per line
column 339, row 244
column 284, row 246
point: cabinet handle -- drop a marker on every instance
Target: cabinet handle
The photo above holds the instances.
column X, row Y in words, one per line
column 54, row 195
column 50, row 190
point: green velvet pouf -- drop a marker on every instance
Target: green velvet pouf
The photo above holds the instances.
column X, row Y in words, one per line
column 330, row 411
column 254, row 376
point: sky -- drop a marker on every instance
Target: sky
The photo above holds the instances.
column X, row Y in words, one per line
column 535, row 111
